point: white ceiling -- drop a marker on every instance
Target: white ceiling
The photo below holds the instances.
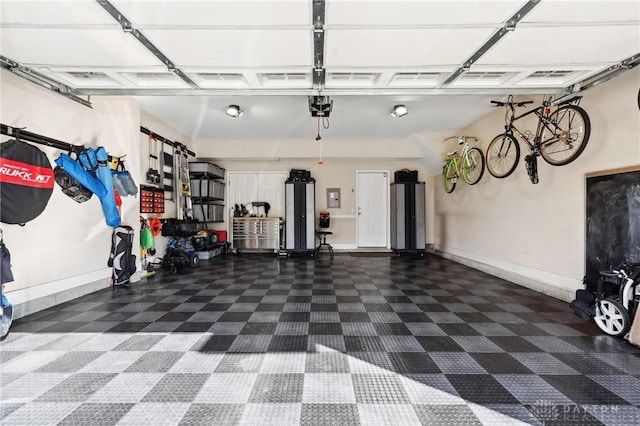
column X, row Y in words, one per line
column 260, row 54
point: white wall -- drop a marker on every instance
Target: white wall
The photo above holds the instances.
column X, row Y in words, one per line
column 535, row 234
column 63, row 253
column 68, row 245
column 334, row 173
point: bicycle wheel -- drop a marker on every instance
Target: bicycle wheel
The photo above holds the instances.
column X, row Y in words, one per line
column 449, row 177
column 565, row 139
column 473, row 166
column 503, row 154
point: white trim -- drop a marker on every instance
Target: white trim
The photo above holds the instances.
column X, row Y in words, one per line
column 343, row 216
column 558, row 286
column 344, row 246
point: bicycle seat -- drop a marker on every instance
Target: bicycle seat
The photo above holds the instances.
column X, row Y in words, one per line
column 452, row 153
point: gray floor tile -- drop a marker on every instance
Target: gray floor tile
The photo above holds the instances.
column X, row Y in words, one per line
column 272, row 414
column 126, row 387
column 176, row 387
column 40, row 413
column 77, row 387
column 102, row 342
column 529, row 388
column 154, row 362
column 491, row 329
column 388, row 414
column 326, row 343
column 326, row 317
column 379, row 389
column 327, row 362
column 504, row 415
column 139, row 342
column 31, row 361
column 240, row 363
column 328, row 388
column 283, row 362
column 155, row 413
column 329, row 414
column 456, row 363
column 292, row 328
column 96, row 414
column 479, row 344
column 112, row 362
column 552, row 344
column 213, row 414
column 624, row 386
column 628, row 363
column 401, row 344
column 29, row 386
column 65, row 343
column 227, row 328
column 277, row 388
column 542, row 363
column 615, row 415
column 425, row 329
column 430, row 389
column 359, row 329
column 176, row 342
column 370, row 363
column 227, row 388
column 504, row 349
column 69, row 362
column 7, row 408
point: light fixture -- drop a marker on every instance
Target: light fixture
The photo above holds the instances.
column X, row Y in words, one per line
column 399, row 111
column 234, row 111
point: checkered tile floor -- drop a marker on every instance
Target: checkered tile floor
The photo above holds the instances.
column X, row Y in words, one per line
column 258, row 340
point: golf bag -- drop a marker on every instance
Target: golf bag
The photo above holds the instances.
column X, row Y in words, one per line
column 121, row 259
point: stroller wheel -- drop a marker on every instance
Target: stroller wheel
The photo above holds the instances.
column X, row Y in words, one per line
column 611, row 316
column 194, row 261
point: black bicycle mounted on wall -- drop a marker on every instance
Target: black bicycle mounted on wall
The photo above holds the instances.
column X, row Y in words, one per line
column 560, row 137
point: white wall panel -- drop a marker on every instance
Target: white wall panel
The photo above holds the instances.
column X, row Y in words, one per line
column 402, row 47
column 216, row 12
column 449, row 12
column 75, row 47
column 235, row 48
column 555, row 46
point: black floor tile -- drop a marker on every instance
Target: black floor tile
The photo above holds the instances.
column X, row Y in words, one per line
column 481, row 389
column 584, row 391
column 500, row 363
column 413, row 362
column 439, row 344
column 514, row 343
column 253, row 338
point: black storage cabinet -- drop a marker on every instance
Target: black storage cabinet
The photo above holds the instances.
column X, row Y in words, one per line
column 300, row 221
column 408, row 217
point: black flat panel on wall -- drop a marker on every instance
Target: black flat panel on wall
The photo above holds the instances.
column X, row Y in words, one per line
column 613, row 221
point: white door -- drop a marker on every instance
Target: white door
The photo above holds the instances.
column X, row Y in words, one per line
column 372, row 208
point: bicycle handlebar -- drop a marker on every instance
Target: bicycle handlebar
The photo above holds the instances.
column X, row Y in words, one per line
column 511, row 104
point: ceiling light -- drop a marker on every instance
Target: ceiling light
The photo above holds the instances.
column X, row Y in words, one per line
column 234, row 111
column 399, row 111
